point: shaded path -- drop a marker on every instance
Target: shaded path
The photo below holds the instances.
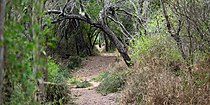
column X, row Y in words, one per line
column 92, row 67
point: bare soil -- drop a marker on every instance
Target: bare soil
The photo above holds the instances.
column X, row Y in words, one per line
column 92, row 67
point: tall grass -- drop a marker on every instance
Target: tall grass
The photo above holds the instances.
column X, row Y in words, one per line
column 162, row 77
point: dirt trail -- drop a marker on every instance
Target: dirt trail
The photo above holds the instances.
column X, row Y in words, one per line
column 92, row 67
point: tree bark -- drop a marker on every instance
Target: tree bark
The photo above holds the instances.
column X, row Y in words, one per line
column 106, row 42
column 2, row 13
column 120, row 47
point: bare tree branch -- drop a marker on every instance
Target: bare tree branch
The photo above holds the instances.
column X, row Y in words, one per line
column 72, row 16
column 176, row 35
column 139, row 20
column 123, row 29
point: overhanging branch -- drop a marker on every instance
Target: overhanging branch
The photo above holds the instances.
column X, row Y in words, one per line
column 123, row 29
column 72, row 16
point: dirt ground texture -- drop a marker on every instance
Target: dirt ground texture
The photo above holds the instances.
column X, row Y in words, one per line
column 92, row 67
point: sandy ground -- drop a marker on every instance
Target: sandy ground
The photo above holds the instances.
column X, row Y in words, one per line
column 92, row 67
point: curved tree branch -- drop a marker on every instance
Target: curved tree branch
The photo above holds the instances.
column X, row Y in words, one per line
column 123, row 29
column 101, row 25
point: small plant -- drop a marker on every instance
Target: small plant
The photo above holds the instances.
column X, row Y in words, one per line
column 113, row 82
column 83, row 84
column 57, row 94
column 74, row 62
column 65, row 72
column 78, row 83
column 74, row 81
column 53, row 69
column 101, row 76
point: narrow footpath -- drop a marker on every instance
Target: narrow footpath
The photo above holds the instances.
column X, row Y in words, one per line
column 92, row 67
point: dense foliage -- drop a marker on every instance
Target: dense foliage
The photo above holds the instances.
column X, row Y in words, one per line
column 24, row 44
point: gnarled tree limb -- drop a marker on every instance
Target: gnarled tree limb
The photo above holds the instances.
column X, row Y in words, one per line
column 101, row 25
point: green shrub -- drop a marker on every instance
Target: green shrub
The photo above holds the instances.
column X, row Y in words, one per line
column 53, row 69
column 74, row 81
column 57, row 92
column 78, row 83
column 22, row 61
column 74, row 62
column 113, row 82
column 155, row 46
column 101, row 76
column 65, row 72
column 83, row 84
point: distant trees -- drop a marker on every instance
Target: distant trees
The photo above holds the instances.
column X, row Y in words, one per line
column 188, row 23
column 2, row 13
column 105, row 14
column 123, row 20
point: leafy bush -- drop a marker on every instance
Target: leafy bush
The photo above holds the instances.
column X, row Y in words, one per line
column 22, row 59
column 65, row 72
column 155, row 46
column 53, row 69
column 113, row 82
column 57, row 92
column 56, row 73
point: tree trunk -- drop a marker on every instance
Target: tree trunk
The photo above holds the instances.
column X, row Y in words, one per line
column 120, row 47
column 175, row 36
column 82, row 47
column 106, row 42
column 2, row 13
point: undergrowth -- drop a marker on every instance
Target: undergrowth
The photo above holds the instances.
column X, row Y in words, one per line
column 57, row 90
column 101, row 76
column 74, row 62
column 79, row 83
column 113, row 81
column 162, row 77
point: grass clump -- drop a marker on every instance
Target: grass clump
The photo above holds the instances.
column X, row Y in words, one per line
column 79, row 84
column 101, row 76
column 74, row 81
column 112, row 82
column 57, row 94
column 83, row 84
